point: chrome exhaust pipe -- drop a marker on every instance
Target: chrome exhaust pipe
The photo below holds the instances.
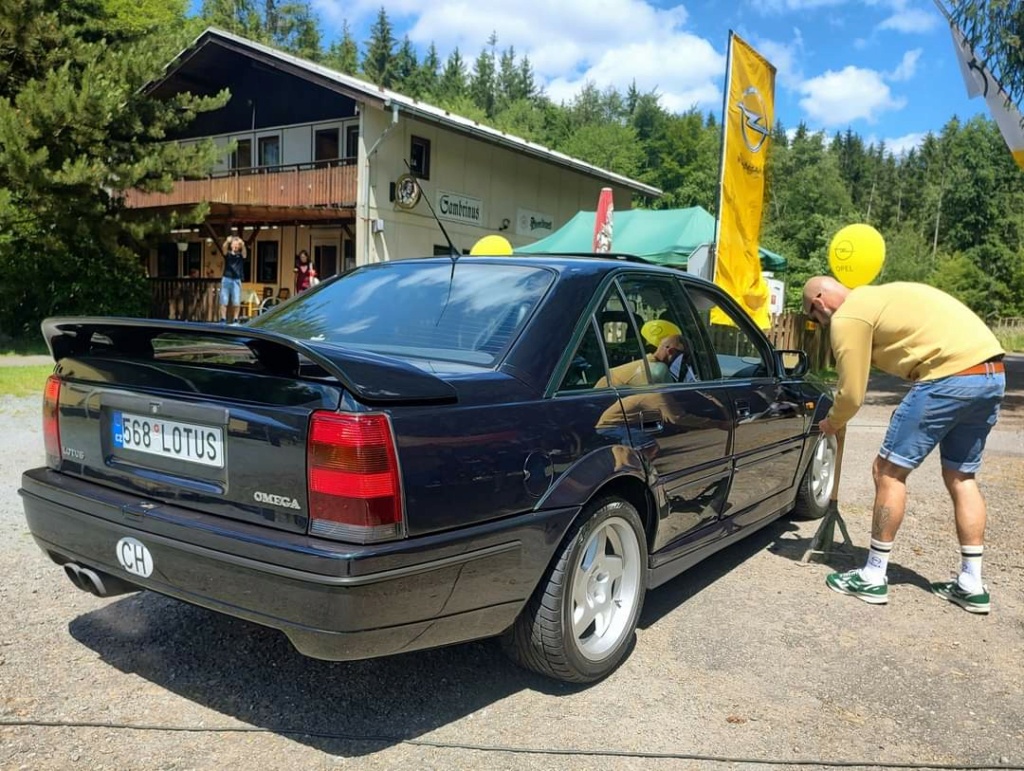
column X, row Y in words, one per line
column 75, row 575
column 97, row 582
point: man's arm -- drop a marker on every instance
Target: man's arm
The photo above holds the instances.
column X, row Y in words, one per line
column 851, row 344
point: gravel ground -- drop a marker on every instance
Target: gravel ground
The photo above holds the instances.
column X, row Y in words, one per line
column 748, row 655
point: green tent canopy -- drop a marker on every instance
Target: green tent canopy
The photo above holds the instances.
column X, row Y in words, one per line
column 664, row 236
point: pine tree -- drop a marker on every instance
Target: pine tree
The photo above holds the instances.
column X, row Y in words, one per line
column 482, row 84
column 427, row 78
column 343, row 55
column 76, row 128
column 379, row 59
column 405, row 67
column 453, row 84
column 292, row 27
column 527, row 83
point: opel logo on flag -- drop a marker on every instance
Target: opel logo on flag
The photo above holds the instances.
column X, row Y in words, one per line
column 754, row 126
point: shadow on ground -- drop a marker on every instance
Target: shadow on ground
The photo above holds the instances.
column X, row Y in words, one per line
column 253, row 674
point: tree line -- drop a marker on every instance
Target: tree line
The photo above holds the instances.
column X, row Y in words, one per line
column 74, row 128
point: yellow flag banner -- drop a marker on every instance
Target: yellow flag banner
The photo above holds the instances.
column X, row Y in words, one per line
column 746, row 128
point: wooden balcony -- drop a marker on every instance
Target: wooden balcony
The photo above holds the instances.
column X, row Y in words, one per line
column 304, row 185
column 185, row 299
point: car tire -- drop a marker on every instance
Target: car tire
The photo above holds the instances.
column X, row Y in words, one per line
column 581, row 620
column 815, row 490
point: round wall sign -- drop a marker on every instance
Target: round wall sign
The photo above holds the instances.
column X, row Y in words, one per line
column 407, row 191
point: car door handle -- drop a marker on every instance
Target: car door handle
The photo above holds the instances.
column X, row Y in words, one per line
column 652, row 421
column 742, row 408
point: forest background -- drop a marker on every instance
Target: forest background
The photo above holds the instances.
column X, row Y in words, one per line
column 75, row 129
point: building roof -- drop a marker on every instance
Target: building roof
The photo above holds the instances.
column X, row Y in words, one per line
column 385, row 98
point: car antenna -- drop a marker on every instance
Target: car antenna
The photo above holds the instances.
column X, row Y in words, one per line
column 452, row 251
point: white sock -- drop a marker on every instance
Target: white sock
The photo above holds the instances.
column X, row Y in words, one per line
column 970, row 569
column 878, row 562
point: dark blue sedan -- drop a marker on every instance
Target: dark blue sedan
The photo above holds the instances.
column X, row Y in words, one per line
column 428, row 451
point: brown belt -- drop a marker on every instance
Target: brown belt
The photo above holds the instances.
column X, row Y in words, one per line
column 985, row 368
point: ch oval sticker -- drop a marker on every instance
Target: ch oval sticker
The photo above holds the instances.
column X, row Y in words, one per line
column 134, row 557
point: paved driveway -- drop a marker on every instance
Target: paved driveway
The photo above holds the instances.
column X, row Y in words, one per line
column 748, row 655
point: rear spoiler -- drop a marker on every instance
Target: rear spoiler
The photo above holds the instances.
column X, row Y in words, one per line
column 373, row 379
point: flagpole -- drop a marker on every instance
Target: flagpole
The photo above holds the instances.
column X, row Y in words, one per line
column 942, row 10
column 721, row 159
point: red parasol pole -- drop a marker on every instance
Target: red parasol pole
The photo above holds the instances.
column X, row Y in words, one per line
column 603, row 222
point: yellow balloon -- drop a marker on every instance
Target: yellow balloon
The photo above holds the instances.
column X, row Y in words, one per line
column 856, row 255
column 492, row 246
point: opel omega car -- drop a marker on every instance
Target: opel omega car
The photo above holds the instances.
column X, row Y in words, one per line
column 428, row 451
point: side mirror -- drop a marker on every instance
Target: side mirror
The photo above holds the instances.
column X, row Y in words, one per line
column 793, row 363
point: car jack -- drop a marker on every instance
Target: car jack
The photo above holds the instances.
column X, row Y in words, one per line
column 823, row 542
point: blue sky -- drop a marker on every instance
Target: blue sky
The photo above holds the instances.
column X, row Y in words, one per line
column 885, row 68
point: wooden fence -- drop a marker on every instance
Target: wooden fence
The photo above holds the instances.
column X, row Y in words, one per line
column 794, row 331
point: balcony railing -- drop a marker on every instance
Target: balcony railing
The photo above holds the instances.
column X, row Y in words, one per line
column 185, row 299
column 320, row 184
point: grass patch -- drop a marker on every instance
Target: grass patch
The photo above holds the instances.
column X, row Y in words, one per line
column 1011, row 339
column 23, row 381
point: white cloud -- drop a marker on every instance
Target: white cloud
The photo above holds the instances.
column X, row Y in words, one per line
column 785, row 57
column 907, row 67
column 911, row 21
column 902, row 145
column 853, row 93
column 680, row 88
column 785, row 6
column 609, row 42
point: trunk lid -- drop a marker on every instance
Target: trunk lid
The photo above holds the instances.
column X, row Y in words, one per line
column 209, row 417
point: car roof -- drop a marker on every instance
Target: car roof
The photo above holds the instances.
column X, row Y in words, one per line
column 587, row 262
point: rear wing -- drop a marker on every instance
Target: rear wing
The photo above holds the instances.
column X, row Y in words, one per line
column 373, row 379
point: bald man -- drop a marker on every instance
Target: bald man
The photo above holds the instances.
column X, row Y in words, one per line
column 659, row 363
column 955, row 363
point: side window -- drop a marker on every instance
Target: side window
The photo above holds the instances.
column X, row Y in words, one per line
column 618, row 324
column 735, row 344
column 587, row 365
column 672, row 342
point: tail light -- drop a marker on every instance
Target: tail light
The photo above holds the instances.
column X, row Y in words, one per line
column 355, row 492
column 51, row 421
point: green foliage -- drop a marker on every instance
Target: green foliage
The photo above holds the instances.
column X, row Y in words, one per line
column 379, row 59
column 291, row 26
column 994, row 28
column 607, row 145
column 76, row 126
column 343, row 55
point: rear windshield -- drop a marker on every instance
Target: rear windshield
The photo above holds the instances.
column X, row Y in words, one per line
column 469, row 313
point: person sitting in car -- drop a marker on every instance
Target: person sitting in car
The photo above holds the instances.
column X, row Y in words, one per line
column 660, row 364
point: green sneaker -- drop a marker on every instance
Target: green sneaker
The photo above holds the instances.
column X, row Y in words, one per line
column 852, row 584
column 972, row 603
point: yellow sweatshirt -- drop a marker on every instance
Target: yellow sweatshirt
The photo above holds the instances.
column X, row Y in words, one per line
column 914, row 331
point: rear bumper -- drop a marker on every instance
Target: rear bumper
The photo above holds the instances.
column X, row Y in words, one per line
column 334, row 601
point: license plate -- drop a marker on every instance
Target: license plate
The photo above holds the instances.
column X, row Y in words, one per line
column 169, row 439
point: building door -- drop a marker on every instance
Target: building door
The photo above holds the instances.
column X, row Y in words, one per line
column 325, row 254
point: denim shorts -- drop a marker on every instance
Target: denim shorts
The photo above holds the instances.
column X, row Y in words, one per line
column 956, row 413
column 231, row 291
